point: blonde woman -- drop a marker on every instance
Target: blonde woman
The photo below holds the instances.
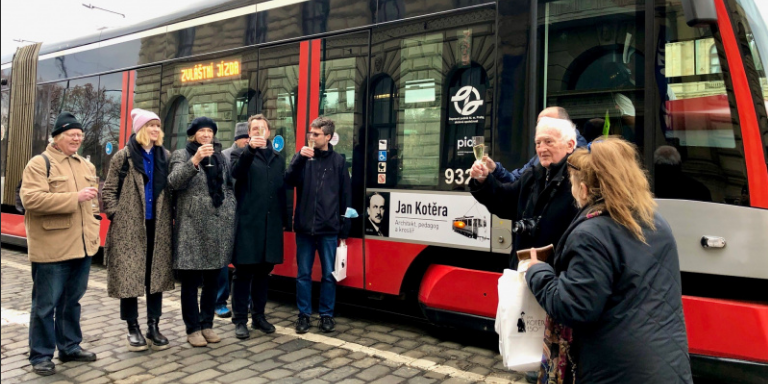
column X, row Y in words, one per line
column 138, row 248
column 613, row 298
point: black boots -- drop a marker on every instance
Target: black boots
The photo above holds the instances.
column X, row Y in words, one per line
column 136, row 342
column 157, row 341
column 261, row 323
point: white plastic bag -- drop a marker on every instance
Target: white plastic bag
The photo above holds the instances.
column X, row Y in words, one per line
column 519, row 323
column 340, row 268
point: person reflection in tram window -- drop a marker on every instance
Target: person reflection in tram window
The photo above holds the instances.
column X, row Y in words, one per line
column 377, row 223
column 204, row 227
column 627, row 111
column 744, row 201
column 505, row 176
column 260, row 191
column 592, row 129
column 241, row 140
column 671, row 182
column 323, row 195
column 139, row 242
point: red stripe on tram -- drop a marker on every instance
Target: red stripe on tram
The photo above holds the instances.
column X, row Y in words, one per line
column 750, row 130
column 314, row 85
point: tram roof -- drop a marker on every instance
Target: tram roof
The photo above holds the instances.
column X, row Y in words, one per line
column 210, row 7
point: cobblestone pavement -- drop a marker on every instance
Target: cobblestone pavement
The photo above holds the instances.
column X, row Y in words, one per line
column 361, row 350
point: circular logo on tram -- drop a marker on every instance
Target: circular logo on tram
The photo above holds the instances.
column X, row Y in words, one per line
column 108, row 148
column 470, row 98
column 278, row 143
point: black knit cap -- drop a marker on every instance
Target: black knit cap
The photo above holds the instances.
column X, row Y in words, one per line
column 199, row 123
column 65, row 122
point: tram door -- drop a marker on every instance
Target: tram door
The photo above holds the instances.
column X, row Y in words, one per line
column 299, row 82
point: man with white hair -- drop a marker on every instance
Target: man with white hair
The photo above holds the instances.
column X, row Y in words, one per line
column 507, row 176
column 539, row 203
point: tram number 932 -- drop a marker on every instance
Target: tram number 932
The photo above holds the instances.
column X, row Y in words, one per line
column 457, row 176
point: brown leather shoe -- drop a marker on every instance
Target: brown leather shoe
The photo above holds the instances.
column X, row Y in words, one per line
column 196, row 339
column 211, row 336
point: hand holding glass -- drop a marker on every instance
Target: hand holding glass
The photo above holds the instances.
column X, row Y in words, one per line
column 94, row 183
column 311, row 145
column 479, row 147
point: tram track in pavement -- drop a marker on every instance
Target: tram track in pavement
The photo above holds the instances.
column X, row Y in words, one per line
column 393, row 358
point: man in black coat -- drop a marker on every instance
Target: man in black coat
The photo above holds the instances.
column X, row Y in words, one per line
column 323, row 195
column 260, row 193
column 540, row 203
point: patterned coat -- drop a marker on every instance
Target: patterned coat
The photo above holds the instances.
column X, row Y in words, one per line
column 126, row 245
column 203, row 235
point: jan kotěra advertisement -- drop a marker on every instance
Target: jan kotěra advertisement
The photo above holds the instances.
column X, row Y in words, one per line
column 451, row 219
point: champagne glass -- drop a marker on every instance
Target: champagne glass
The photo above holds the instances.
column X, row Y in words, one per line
column 210, row 164
column 311, row 145
column 479, row 147
column 94, row 182
column 260, row 131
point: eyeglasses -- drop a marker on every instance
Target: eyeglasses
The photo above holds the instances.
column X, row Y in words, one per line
column 74, row 136
column 572, row 166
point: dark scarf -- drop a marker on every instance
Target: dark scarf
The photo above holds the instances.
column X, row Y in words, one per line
column 265, row 153
column 160, row 179
column 215, row 174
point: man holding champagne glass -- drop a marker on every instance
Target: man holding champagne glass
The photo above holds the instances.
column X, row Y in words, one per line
column 260, row 193
column 323, row 194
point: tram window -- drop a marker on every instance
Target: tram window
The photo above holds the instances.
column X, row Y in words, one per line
column 107, row 128
column 146, row 92
column 246, row 104
column 86, row 99
column 4, row 108
column 48, row 105
column 343, row 81
column 594, row 66
column 431, row 95
column 698, row 152
column 176, row 122
column 203, row 87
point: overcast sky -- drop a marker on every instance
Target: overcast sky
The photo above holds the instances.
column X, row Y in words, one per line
column 53, row 21
column 60, row 20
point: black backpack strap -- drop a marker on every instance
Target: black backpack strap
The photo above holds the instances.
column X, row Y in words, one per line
column 18, row 204
column 122, row 174
column 47, row 165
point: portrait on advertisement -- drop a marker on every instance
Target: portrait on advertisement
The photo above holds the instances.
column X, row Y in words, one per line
column 376, row 215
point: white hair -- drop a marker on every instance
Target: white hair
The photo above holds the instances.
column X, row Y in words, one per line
column 565, row 127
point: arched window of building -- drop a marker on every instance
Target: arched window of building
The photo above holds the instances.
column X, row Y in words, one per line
column 177, row 121
column 714, row 60
column 247, row 104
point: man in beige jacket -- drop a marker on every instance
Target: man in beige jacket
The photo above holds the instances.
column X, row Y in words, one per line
column 62, row 234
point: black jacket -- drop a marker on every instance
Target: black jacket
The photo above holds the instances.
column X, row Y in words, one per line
column 529, row 197
column 260, row 194
column 623, row 300
column 322, row 193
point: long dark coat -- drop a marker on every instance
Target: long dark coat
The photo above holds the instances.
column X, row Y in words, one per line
column 623, row 299
column 261, row 196
column 126, row 246
column 203, row 235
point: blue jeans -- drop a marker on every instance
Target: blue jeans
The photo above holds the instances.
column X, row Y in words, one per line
column 56, row 289
column 305, row 256
column 223, row 293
